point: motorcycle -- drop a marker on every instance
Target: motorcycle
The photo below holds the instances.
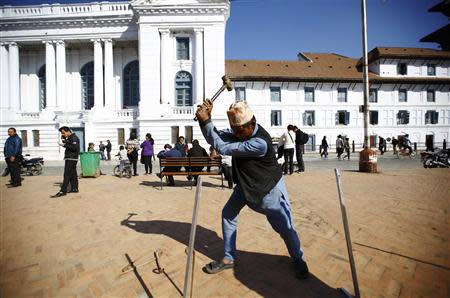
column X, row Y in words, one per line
column 28, row 166
column 437, row 159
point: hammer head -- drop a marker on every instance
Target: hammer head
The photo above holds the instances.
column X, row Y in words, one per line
column 227, row 83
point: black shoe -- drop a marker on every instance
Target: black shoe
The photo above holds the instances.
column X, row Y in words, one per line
column 72, row 190
column 301, row 269
column 136, row 174
column 58, row 194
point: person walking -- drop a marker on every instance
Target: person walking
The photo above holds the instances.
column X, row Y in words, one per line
column 13, row 157
column 324, row 146
column 287, row 139
column 147, row 153
column 259, row 182
column 347, row 148
column 132, row 146
column 301, row 138
column 102, row 148
column 394, row 145
column 339, row 146
column 108, row 149
column 381, row 145
column 71, row 143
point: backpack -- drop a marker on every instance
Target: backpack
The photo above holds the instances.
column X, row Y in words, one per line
column 304, row 137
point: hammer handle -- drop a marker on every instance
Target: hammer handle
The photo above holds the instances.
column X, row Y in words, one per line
column 213, row 98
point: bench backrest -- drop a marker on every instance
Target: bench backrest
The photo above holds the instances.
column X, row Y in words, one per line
column 190, row 162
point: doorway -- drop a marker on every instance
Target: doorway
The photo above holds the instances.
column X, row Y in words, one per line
column 79, row 132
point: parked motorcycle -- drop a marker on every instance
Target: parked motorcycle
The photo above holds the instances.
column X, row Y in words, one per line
column 437, row 159
column 28, row 166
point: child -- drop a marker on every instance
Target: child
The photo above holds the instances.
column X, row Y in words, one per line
column 123, row 157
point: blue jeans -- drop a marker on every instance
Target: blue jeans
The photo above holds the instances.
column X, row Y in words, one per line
column 275, row 206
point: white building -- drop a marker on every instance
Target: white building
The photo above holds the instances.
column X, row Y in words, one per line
column 106, row 68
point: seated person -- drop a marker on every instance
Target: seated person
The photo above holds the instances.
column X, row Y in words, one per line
column 196, row 151
column 169, row 152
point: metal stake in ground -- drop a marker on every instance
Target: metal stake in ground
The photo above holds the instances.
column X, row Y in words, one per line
column 189, row 266
column 347, row 238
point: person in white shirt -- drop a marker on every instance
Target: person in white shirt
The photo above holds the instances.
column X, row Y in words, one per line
column 123, row 157
column 288, row 140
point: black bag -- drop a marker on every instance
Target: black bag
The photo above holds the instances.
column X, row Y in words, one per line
column 303, row 138
column 280, row 151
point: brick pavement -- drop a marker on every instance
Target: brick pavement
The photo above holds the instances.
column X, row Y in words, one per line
column 76, row 246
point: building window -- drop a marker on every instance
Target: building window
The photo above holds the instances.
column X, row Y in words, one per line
column 175, row 132
column 342, row 94
column 402, row 95
column 401, row 69
column 373, row 117
column 402, row 117
column 342, row 118
column 373, row 95
column 311, row 144
column 309, row 94
column 182, row 48
column 42, row 90
column 87, row 85
column 275, row 94
column 131, row 84
column 188, row 133
column 183, row 89
column 431, row 69
column 431, row 96
column 24, row 137
column 121, row 136
column 36, row 138
column 309, row 118
column 275, row 118
column 240, row 93
column 431, row 117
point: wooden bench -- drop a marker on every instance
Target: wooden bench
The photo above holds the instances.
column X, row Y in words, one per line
column 187, row 163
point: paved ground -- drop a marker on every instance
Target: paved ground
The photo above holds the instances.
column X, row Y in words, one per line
column 76, row 246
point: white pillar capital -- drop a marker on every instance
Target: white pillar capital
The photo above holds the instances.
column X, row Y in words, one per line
column 164, row 31
column 198, row 30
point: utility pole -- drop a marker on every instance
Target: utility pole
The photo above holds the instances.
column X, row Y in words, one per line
column 367, row 157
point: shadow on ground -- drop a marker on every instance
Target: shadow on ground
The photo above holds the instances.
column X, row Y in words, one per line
column 188, row 184
column 268, row 275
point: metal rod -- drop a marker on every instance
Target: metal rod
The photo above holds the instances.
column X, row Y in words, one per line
column 347, row 233
column 189, row 265
column 365, row 75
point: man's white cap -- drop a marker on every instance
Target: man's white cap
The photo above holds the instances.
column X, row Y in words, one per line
column 239, row 113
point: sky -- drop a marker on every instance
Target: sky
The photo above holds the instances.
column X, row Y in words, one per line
column 280, row 29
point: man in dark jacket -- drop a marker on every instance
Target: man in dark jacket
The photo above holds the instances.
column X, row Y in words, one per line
column 71, row 143
column 299, row 143
column 13, row 155
column 196, row 151
column 259, row 182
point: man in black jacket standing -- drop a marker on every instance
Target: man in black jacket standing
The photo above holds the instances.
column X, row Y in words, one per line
column 299, row 142
column 71, row 143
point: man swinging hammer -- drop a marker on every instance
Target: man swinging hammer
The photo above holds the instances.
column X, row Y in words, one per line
column 259, row 182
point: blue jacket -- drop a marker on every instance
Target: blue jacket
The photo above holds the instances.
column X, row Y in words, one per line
column 13, row 146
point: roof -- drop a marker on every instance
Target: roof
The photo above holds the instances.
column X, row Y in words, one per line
column 406, row 53
column 443, row 7
column 328, row 67
column 441, row 36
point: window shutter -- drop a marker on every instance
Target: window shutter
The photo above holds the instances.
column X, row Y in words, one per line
column 435, row 117
column 304, row 118
column 347, row 118
column 406, row 117
column 336, row 116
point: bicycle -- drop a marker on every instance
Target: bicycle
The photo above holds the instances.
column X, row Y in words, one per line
column 126, row 172
column 404, row 152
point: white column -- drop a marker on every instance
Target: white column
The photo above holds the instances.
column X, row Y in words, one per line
column 50, row 76
column 109, row 74
column 98, row 74
column 4, row 77
column 14, row 76
column 61, row 95
column 198, row 67
column 164, row 65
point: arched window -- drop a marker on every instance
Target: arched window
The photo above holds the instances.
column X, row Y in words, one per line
column 87, row 85
column 183, row 89
column 131, row 84
column 42, row 91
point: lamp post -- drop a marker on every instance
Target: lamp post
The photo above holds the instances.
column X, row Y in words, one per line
column 367, row 157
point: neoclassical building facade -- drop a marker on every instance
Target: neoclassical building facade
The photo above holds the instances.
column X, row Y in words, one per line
column 108, row 68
